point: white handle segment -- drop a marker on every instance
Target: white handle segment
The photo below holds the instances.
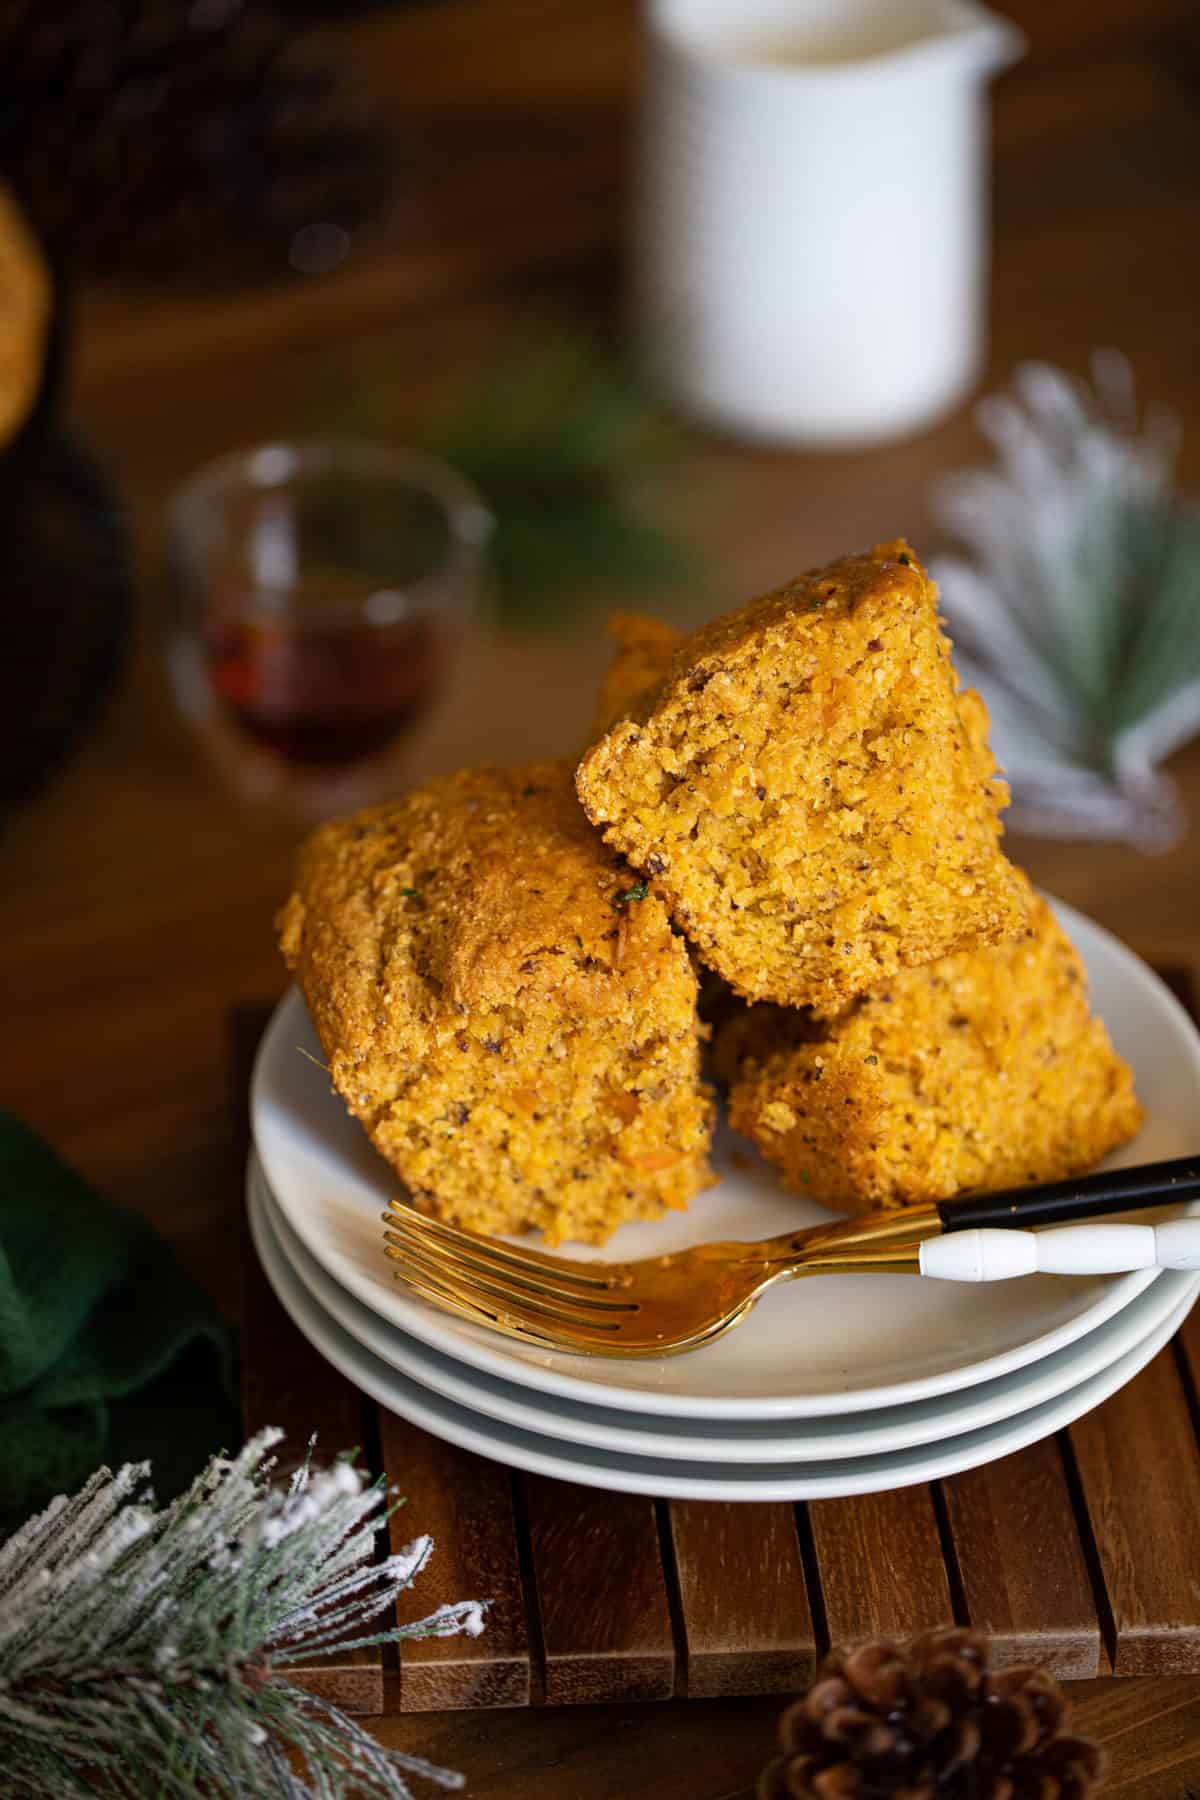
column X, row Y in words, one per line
column 1097, row 1249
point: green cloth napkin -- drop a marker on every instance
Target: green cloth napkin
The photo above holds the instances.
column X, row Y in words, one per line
column 109, row 1352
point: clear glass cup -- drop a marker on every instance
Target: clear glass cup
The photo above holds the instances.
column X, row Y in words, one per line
column 322, row 590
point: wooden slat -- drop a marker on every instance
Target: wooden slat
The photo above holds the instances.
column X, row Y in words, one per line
column 712, row 1751
column 601, row 1594
column 286, row 1383
column 1139, row 1468
column 465, row 1504
column 746, row 1622
column 1022, row 1567
column 1151, row 1731
column 880, row 1564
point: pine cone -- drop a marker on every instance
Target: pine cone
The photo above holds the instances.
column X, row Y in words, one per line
column 930, row 1721
column 155, row 135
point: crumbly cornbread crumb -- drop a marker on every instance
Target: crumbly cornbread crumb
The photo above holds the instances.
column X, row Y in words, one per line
column 503, row 1006
column 984, row 1070
column 811, row 792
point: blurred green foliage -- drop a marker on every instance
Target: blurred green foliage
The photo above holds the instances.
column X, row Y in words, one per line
column 559, row 437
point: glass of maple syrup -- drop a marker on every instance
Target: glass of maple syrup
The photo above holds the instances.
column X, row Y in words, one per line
column 322, row 591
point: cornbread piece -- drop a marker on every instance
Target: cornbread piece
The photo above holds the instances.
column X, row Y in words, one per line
column 644, row 648
column 504, row 1006
column 984, row 1070
column 809, row 790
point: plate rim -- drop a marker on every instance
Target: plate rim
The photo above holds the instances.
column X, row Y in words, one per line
column 441, row 1332
column 358, row 1321
column 628, row 1474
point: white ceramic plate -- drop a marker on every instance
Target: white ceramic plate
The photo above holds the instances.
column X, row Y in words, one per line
column 691, row 1440
column 673, row 1480
column 810, row 1348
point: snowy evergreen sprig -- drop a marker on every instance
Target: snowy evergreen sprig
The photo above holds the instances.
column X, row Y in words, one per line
column 139, row 1644
column 1075, row 606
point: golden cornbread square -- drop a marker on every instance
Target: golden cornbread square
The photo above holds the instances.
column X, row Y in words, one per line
column 810, row 791
column 984, row 1070
column 504, row 1006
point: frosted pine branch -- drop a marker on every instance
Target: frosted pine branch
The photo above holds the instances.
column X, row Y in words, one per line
column 1075, row 603
column 139, row 1645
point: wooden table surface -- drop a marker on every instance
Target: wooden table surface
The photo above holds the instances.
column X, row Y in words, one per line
column 137, row 895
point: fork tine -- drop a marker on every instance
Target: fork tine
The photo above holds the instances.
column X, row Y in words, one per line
column 512, row 1257
column 480, row 1290
column 584, row 1275
column 544, row 1333
column 467, row 1265
column 500, row 1316
column 445, row 1301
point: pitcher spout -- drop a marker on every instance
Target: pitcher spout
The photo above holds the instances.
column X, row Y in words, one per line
column 987, row 43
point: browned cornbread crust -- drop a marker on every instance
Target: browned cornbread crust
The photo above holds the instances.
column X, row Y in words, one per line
column 811, row 792
column 984, row 1070
column 519, row 1041
column 644, row 646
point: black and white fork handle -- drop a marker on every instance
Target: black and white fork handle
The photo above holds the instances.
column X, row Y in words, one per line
column 987, row 1254
column 1081, row 1197
column 987, row 1237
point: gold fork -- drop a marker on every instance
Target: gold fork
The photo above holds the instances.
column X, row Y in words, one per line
column 665, row 1304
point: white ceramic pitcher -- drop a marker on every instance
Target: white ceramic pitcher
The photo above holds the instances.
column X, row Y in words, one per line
column 812, row 210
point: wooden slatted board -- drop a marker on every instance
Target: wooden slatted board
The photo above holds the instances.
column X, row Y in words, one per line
column 1081, row 1553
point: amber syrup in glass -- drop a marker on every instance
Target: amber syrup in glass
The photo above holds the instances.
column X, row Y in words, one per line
column 318, row 691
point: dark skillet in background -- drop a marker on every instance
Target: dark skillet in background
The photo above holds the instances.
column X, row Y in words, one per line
column 66, row 594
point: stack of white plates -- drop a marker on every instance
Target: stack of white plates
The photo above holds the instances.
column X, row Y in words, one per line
column 835, row 1385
